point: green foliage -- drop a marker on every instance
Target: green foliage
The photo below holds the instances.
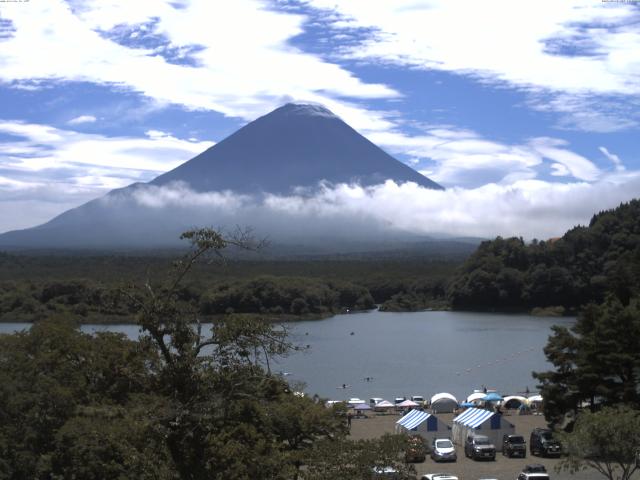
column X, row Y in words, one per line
column 348, row 460
column 177, row 403
column 596, row 361
column 285, row 295
column 583, row 266
column 89, row 288
column 606, row 441
column 50, row 374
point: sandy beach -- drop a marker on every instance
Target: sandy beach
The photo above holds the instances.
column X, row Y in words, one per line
column 502, row 468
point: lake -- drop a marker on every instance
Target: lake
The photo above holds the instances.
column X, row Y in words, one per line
column 417, row 353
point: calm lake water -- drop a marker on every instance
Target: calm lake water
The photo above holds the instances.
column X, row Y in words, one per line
column 420, row 353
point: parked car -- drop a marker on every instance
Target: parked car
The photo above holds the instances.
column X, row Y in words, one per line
column 438, row 476
column 514, row 445
column 416, row 449
column 398, row 400
column 418, row 399
column 534, row 472
column 542, row 443
column 442, row 450
column 479, row 447
column 374, row 401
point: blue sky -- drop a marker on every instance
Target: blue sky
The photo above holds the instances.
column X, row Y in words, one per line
column 523, row 110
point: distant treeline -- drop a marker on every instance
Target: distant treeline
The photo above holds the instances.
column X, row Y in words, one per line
column 555, row 276
column 91, row 288
column 582, row 267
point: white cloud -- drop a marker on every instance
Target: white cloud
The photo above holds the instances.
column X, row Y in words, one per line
column 465, row 158
column 349, row 210
column 44, row 147
column 51, row 170
column 245, row 64
column 574, row 48
column 572, row 163
column 82, row 119
column 615, row 159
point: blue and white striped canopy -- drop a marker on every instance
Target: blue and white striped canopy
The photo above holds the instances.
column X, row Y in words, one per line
column 473, row 417
column 412, row 419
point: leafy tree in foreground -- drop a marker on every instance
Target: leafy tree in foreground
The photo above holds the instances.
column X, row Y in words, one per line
column 226, row 415
column 597, row 361
column 178, row 404
column 62, row 392
column 606, row 441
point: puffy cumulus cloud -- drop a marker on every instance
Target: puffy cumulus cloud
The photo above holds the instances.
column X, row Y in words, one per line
column 574, row 49
column 528, row 208
column 240, row 61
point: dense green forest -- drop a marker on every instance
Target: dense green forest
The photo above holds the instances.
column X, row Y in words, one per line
column 583, row 266
column 555, row 276
column 178, row 403
column 33, row 287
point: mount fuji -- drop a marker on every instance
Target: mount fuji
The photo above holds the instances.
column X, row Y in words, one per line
column 294, row 150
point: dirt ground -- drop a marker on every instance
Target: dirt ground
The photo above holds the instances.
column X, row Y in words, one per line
column 503, row 468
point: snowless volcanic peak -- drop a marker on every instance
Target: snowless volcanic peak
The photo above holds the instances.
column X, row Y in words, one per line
column 296, row 148
column 296, row 145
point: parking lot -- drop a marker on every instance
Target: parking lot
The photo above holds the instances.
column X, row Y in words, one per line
column 502, row 468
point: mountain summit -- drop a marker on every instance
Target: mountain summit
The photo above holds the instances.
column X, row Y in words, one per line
column 296, row 148
column 296, row 145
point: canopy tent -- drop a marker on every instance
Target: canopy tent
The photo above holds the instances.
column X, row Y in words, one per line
column 362, row 406
column 383, row 406
column 476, row 396
column 443, row 403
column 513, row 401
column 477, row 421
column 407, row 403
column 492, row 397
column 427, row 425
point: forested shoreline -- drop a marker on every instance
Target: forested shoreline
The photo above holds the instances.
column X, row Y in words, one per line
column 552, row 277
column 90, row 289
column 563, row 274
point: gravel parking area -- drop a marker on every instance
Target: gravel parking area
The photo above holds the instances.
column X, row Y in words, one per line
column 466, row 469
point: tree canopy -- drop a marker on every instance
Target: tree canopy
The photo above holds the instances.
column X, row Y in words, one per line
column 596, row 361
column 582, row 266
column 606, row 441
column 178, row 403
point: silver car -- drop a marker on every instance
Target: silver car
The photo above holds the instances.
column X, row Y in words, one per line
column 443, row 450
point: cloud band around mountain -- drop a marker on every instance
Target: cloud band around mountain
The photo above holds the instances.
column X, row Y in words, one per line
column 528, row 208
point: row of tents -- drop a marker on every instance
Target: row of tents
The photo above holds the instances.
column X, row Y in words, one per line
column 447, row 403
column 473, row 421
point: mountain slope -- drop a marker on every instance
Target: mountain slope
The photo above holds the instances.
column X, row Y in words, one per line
column 294, row 149
column 295, row 145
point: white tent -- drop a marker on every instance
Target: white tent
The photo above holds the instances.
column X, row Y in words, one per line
column 476, row 421
column 383, row 406
column 443, row 403
column 476, row 396
column 513, row 401
column 535, row 399
column 428, row 426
